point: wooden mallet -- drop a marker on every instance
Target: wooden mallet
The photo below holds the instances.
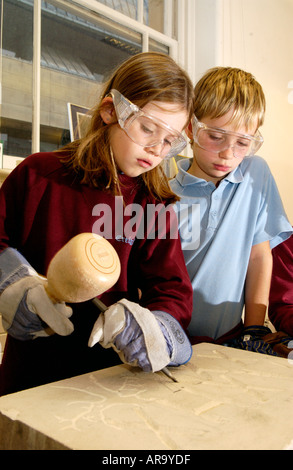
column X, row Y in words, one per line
column 84, row 268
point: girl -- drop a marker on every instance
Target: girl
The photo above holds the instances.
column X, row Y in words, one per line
column 51, row 197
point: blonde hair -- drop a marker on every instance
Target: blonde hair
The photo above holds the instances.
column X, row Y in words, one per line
column 145, row 77
column 222, row 89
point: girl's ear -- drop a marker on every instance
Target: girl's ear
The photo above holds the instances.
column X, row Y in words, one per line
column 188, row 131
column 107, row 111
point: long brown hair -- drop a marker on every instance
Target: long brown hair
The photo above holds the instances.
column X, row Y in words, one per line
column 145, row 77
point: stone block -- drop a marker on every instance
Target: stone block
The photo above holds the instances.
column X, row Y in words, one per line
column 225, row 399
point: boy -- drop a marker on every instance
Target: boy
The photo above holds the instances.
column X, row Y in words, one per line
column 240, row 217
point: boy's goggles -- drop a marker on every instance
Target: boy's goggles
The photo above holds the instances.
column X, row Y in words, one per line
column 145, row 129
column 218, row 140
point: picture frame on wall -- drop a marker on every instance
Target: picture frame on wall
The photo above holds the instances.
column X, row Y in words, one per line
column 79, row 117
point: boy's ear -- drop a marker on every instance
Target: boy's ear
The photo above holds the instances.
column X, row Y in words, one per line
column 188, row 131
column 107, row 111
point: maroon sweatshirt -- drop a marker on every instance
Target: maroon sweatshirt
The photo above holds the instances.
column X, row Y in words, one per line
column 42, row 206
column 281, row 293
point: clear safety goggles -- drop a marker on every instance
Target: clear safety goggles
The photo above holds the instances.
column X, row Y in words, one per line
column 145, row 129
column 218, row 140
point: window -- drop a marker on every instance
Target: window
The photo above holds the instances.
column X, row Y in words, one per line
column 77, row 56
column 16, row 109
column 152, row 10
column 81, row 42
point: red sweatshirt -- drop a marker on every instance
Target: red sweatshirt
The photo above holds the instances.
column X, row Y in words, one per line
column 42, row 206
column 281, row 294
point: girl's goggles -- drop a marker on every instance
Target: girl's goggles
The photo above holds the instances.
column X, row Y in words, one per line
column 145, row 129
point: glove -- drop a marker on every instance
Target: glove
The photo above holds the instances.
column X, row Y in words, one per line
column 150, row 340
column 26, row 309
column 252, row 339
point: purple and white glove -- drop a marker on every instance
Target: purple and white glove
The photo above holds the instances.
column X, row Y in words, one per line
column 149, row 340
column 26, row 309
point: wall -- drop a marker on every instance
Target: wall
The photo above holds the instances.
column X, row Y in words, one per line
column 256, row 35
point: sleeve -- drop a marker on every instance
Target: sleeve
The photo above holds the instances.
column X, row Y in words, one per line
column 272, row 222
column 281, row 293
column 22, row 221
column 162, row 276
column 10, row 211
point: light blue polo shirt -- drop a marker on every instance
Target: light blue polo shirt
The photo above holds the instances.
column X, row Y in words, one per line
column 244, row 210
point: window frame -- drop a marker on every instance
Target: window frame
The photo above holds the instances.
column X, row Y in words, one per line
column 88, row 8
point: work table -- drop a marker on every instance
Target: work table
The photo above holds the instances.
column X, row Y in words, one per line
column 224, row 399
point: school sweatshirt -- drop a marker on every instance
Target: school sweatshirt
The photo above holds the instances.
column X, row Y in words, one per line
column 42, row 206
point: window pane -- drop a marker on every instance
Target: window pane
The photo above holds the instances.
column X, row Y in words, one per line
column 77, row 56
column 127, row 7
column 16, row 110
column 156, row 46
column 153, row 11
column 154, row 14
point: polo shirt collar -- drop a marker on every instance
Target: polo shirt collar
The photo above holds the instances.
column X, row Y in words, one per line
column 184, row 178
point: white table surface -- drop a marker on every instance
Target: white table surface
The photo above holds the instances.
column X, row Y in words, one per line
column 224, row 399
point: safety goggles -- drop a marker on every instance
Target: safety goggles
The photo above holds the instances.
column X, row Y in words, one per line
column 218, row 140
column 145, row 129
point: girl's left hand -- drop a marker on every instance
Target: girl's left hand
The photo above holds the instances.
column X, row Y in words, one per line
column 150, row 340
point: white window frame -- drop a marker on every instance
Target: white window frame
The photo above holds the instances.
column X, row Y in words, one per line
column 183, row 50
column 94, row 7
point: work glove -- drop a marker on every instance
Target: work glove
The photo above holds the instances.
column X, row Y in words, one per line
column 252, row 338
column 258, row 338
column 149, row 340
column 26, row 309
